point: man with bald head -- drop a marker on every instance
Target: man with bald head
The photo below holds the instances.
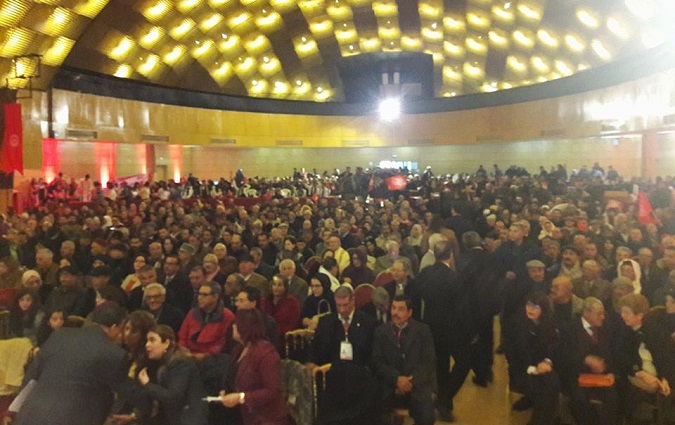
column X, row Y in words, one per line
column 567, row 307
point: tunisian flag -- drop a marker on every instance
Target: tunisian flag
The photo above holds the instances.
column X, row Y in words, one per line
column 645, row 210
column 397, row 182
column 12, row 146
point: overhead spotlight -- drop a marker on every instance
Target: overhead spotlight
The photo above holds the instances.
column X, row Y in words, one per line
column 390, row 109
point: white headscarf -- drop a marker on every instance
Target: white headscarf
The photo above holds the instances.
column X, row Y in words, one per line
column 637, row 286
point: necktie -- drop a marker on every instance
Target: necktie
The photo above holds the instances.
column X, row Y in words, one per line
column 399, row 336
column 594, row 334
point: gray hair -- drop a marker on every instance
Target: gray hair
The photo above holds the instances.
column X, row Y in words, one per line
column 436, row 238
column 157, row 286
column 591, row 302
column 344, row 291
column 471, row 239
column 380, row 295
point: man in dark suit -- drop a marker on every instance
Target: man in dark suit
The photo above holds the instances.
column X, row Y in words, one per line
column 442, row 299
column 177, row 282
column 345, row 339
column 404, row 363
column 587, row 348
column 76, row 372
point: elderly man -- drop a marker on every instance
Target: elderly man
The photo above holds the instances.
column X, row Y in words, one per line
column 233, row 286
column 404, row 363
column 46, row 267
column 155, row 255
column 101, row 290
column 587, row 349
column 213, row 272
column 261, row 267
column 386, row 261
column 297, row 286
column 428, row 258
column 591, row 284
column 570, row 264
column 339, row 253
column 204, row 328
column 566, row 306
column 154, row 301
column 69, row 295
column 247, row 270
column 147, row 275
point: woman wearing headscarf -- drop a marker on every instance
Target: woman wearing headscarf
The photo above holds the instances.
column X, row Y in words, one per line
column 358, row 272
column 631, row 270
column 320, row 301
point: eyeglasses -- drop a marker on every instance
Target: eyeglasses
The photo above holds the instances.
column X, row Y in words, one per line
column 205, row 294
column 153, row 297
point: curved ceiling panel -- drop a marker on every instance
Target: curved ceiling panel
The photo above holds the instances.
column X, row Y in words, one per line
column 288, row 49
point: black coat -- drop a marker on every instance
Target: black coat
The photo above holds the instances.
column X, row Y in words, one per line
column 415, row 356
column 330, row 333
column 179, row 391
column 76, row 372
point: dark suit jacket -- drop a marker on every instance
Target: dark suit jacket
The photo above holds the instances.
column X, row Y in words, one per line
column 169, row 315
column 415, row 356
column 179, row 391
column 330, row 333
column 76, row 373
column 575, row 345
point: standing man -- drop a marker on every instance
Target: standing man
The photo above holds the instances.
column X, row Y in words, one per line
column 442, row 297
column 74, row 386
column 404, row 363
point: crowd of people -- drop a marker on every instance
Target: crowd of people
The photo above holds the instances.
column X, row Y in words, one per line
column 583, row 284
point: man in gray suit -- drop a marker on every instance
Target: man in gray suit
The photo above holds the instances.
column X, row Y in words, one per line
column 76, row 372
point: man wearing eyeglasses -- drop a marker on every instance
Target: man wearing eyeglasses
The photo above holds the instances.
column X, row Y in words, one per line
column 204, row 329
column 154, row 300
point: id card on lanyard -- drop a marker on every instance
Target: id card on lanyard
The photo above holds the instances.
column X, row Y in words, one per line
column 346, row 349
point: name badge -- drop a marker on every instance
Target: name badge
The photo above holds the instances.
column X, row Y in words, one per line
column 346, row 351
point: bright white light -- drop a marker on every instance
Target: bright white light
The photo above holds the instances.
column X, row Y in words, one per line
column 390, row 109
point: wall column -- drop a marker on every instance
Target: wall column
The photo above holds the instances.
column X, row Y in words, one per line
column 650, row 147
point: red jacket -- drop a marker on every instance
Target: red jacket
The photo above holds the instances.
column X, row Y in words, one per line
column 205, row 335
column 259, row 378
column 286, row 312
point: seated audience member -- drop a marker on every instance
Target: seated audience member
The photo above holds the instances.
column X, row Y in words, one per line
column 251, row 278
column 203, row 331
column 10, row 273
column 358, row 272
column 393, row 254
column 329, row 268
column 51, row 322
column 380, row 306
column 133, row 280
column 650, row 350
column 344, row 339
column 537, row 345
column 404, row 363
column 173, row 382
column 32, row 280
column 46, row 267
column 254, row 384
column 69, row 295
column 100, row 290
column 659, row 295
column 177, row 283
column 566, row 306
column 25, row 316
column 154, row 301
column 591, row 283
column 250, row 299
column 146, row 275
column 320, row 302
column 587, row 349
column 233, row 286
column 297, row 286
column 227, row 264
column 213, row 272
column 631, row 269
column 283, row 307
column 403, row 284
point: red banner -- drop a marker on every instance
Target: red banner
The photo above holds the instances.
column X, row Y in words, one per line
column 12, row 147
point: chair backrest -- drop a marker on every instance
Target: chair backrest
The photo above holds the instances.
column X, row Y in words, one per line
column 7, row 295
column 383, row 278
column 4, row 324
column 297, row 387
column 297, row 342
column 363, row 294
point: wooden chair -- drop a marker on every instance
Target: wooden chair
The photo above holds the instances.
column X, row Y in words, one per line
column 319, row 372
column 297, row 342
column 363, row 294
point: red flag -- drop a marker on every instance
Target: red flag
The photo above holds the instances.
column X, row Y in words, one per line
column 371, row 183
column 12, row 147
column 397, row 182
column 645, row 210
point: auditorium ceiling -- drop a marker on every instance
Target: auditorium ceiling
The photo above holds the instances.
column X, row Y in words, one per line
column 288, row 49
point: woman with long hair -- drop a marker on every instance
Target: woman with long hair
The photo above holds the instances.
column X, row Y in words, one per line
column 25, row 315
column 172, row 381
column 253, row 381
column 283, row 307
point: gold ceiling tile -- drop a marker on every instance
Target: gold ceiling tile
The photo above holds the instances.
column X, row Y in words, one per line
column 230, row 44
column 564, row 67
column 187, row 6
column 149, row 65
column 523, row 38
column 351, row 49
column 411, row 43
column 56, row 54
column 49, row 2
column 269, row 65
column 157, row 10
column 58, row 22
column 588, row 17
column 182, row 28
column 454, row 24
column 171, row 55
column 575, row 43
column 360, row 3
column 474, row 70
column 601, row 50
column 269, row 20
column 124, row 71
column 321, row 27
column 256, row 44
column 503, row 14
column 478, row 19
column 385, row 9
column 245, row 67
column 346, row 35
column 529, row 11
column 258, row 87
column 15, row 42
column 548, row 38
column 618, row 26
column 283, row 6
column 499, row 38
column 453, row 49
column 151, row 36
column 476, row 44
column 371, row 44
column 13, row 11
column 90, row 8
column 430, row 9
column 210, row 22
column 540, row 64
